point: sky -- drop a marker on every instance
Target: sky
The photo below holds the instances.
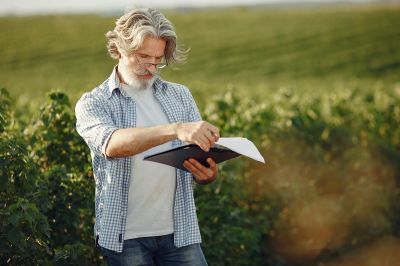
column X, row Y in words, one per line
column 27, row 7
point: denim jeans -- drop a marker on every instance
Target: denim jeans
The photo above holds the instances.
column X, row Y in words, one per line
column 158, row 250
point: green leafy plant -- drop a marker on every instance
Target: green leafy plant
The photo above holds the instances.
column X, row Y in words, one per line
column 47, row 184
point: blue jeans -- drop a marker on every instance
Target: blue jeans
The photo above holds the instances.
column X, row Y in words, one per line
column 158, row 250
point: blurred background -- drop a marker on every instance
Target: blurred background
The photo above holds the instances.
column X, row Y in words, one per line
column 315, row 84
column 256, row 46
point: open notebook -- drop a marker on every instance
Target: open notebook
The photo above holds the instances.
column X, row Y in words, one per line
column 224, row 149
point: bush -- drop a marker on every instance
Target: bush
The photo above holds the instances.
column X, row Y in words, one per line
column 47, row 186
column 24, row 230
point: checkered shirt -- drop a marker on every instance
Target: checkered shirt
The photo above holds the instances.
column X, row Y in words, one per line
column 102, row 111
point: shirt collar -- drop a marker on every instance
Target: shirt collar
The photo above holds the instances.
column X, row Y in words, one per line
column 114, row 83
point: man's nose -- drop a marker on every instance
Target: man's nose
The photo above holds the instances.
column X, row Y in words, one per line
column 152, row 67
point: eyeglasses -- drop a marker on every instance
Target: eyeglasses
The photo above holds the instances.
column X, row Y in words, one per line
column 142, row 62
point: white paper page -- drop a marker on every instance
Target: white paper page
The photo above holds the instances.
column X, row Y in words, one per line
column 242, row 146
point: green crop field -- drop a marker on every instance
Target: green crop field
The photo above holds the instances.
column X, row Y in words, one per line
column 252, row 50
column 316, row 89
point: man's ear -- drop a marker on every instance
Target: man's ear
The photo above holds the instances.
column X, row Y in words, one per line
column 119, row 52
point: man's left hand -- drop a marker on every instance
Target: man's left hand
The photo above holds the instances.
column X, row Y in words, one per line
column 202, row 174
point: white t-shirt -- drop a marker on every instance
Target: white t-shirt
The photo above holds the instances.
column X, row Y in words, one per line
column 152, row 185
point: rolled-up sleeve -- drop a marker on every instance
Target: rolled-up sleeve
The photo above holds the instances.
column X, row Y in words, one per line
column 94, row 124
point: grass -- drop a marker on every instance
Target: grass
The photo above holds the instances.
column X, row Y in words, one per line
column 254, row 51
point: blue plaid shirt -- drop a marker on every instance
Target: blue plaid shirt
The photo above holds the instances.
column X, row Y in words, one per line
column 102, row 111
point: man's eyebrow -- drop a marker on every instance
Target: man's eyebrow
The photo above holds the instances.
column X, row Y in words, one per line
column 145, row 54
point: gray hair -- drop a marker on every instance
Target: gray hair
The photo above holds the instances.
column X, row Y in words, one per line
column 132, row 28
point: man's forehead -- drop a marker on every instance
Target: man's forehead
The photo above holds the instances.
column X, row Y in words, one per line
column 153, row 46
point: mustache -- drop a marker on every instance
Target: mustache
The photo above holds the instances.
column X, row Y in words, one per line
column 142, row 72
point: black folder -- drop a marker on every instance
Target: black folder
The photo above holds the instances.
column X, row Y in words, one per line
column 176, row 156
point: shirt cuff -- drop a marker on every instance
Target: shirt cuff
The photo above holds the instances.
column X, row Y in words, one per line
column 107, row 139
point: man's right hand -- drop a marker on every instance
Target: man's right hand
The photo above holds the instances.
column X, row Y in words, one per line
column 201, row 133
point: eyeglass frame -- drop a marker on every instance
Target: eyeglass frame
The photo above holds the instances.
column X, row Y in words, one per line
column 147, row 65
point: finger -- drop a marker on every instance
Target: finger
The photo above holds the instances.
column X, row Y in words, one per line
column 214, row 130
column 208, row 139
column 216, row 137
column 213, row 166
column 210, row 127
column 211, row 137
column 211, row 163
column 188, row 165
column 204, row 143
column 194, row 170
column 200, row 143
column 201, row 168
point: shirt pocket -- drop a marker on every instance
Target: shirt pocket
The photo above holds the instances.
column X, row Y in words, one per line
column 123, row 112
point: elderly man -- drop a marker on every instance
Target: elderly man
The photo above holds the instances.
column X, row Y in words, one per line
column 145, row 211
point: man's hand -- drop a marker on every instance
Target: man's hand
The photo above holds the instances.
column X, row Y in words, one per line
column 201, row 133
column 131, row 141
column 202, row 174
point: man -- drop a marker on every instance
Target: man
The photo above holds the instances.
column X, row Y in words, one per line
column 145, row 211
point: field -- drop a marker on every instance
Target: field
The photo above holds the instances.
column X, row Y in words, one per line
column 316, row 89
column 255, row 51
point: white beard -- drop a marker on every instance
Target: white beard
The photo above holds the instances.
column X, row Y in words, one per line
column 130, row 78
